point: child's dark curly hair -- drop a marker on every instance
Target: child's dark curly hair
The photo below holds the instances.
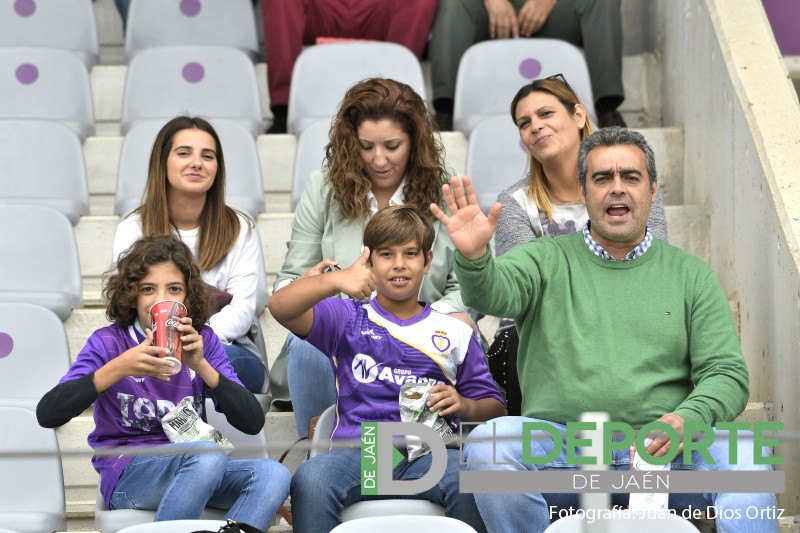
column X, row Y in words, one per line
column 121, row 289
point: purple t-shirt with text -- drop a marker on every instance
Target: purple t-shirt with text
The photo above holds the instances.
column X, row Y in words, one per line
column 129, row 412
column 373, row 353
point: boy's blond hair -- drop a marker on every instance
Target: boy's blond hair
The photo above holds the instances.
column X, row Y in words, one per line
column 399, row 224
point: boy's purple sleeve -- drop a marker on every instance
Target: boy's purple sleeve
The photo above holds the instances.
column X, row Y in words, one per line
column 473, row 379
column 331, row 317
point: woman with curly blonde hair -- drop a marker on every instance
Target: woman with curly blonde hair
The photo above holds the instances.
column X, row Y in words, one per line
column 384, row 150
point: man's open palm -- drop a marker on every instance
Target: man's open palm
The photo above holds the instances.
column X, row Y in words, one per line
column 469, row 229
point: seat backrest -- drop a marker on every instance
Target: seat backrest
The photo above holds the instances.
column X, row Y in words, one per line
column 40, row 258
column 46, row 84
column 66, row 24
column 309, row 156
column 34, row 353
column 496, row 158
column 668, row 524
column 211, row 81
column 321, row 440
column 176, row 526
column 32, row 492
column 247, row 446
column 403, row 524
column 153, row 23
column 243, row 183
column 29, row 177
column 322, row 74
column 491, row 72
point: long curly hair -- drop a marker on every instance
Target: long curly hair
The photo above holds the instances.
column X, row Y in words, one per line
column 121, row 288
column 537, row 186
column 377, row 99
column 219, row 224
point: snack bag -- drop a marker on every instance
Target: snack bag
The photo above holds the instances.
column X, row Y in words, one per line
column 646, row 502
column 414, row 408
column 183, row 424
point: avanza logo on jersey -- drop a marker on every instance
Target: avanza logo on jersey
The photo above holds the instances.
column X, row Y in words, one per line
column 366, row 370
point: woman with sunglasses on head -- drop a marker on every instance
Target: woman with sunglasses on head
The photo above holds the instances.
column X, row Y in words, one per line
column 547, row 203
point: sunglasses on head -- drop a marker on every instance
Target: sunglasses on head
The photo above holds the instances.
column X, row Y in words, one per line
column 560, row 77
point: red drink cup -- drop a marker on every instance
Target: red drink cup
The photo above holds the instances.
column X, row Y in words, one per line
column 166, row 316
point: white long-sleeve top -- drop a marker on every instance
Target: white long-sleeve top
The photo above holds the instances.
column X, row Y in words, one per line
column 236, row 273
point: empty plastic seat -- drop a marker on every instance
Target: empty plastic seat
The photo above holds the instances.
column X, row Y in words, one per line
column 34, row 353
column 244, row 187
column 40, row 258
column 46, row 84
column 247, row 447
column 496, row 158
column 322, row 74
column 491, row 72
column 66, row 24
column 175, row 526
column 670, row 523
column 153, row 23
column 32, row 491
column 211, row 81
column 309, row 156
column 42, row 162
column 402, row 524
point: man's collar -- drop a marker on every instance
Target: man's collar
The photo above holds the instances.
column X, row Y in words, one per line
column 601, row 252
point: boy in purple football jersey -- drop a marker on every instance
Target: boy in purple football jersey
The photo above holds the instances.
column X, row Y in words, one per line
column 119, row 373
column 374, row 347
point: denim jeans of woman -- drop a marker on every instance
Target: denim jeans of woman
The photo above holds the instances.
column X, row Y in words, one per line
column 248, row 367
column 311, row 384
column 512, row 512
column 178, row 486
column 327, row 483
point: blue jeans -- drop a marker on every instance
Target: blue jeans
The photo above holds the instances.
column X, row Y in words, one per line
column 510, row 512
column 310, row 376
column 248, row 366
column 327, row 483
column 179, row 486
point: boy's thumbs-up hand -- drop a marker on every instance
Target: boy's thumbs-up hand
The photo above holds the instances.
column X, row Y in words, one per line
column 357, row 281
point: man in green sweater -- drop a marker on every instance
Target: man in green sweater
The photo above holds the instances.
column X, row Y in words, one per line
column 610, row 319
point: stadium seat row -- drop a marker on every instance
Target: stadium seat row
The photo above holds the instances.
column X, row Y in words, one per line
column 71, row 25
